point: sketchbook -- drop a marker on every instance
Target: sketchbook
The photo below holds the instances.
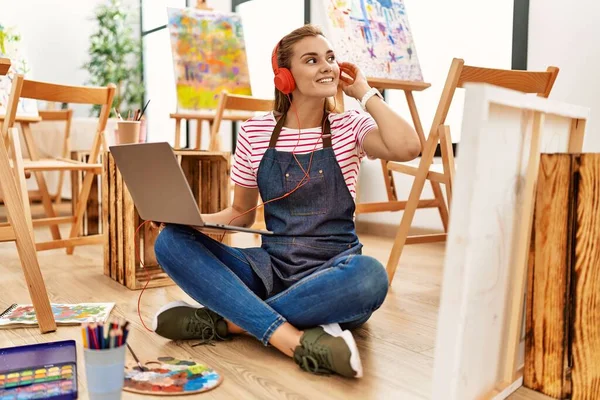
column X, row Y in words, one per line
column 23, row 315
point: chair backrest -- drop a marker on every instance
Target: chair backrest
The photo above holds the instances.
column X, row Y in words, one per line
column 23, row 88
column 236, row 102
column 535, row 82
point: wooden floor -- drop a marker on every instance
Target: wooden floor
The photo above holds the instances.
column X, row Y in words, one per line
column 396, row 345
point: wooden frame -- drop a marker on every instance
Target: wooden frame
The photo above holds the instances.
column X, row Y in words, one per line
column 102, row 96
column 129, row 259
column 393, row 203
column 479, row 348
column 533, row 82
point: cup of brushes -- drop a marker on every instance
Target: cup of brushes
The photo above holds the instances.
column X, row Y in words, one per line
column 132, row 129
column 104, row 347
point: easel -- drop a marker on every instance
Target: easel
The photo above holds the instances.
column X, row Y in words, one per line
column 393, row 204
column 20, row 228
column 201, row 117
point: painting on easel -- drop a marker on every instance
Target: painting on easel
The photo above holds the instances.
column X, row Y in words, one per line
column 209, row 56
column 375, row 35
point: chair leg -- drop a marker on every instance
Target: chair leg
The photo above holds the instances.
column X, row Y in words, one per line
column 23, row 231
column 411, row 205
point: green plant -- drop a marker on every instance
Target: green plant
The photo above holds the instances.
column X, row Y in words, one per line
column 115, row 56
column 9, row 47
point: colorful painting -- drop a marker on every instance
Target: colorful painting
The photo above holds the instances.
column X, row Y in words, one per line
column 375, row 35
column 209, row 56
column 169, row 375
column 64, row 314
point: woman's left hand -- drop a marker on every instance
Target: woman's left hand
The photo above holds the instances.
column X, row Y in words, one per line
column 353, row 81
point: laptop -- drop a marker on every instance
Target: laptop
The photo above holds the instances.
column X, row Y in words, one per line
column 159, row 188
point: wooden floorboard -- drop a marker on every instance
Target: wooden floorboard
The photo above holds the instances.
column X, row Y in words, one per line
column 396, row 345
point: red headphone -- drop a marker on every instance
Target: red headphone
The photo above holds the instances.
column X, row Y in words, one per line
column 284, row 81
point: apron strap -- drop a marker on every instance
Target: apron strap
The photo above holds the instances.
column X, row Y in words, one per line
column 326, row 132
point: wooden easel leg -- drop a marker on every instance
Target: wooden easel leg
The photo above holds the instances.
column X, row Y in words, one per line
column 199, row 135
column 25, row 245
column 447, row 159
column 435, row 186
column 388, row 179
column 441, row 202
column 177, row 133
column 411, row 205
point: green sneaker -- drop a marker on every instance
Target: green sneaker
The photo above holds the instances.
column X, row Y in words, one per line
column 326, row 349
column 181, row 321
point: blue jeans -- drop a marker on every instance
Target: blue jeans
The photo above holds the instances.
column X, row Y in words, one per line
column 219, row 277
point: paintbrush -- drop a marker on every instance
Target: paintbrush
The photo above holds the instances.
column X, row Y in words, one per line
column 142, row 368
column 144, row 109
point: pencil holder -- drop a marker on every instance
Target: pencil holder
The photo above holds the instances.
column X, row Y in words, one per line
column 105, row 372
column 127, row 132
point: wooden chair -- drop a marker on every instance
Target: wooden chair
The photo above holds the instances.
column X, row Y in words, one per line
column 236, row 102
column 63, row 94
column 19, row 228
column 67, row 117
column 540, row 83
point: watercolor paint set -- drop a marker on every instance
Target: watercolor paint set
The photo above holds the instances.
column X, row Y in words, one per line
column 39, row 371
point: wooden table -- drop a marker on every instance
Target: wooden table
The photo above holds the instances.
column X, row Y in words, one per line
column 200, row 116
column 129, row 258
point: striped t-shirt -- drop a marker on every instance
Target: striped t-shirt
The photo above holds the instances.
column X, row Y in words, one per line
column 348, row 131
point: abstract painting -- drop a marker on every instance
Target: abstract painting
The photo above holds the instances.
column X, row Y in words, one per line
column 375, row 35
column 64, row 314
column 170, row 375
column 209, row 56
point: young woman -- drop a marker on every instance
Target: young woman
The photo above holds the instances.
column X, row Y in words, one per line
column 307, row 285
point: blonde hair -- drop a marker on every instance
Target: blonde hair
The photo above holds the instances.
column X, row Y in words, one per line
column 284, row 60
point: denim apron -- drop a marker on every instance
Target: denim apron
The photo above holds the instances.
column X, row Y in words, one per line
column 312, row 226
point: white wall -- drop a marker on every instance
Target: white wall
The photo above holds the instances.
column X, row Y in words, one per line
column 261, row 38
column 564, row 35
column 480, row 32
column 55, row 37
column 159, row 76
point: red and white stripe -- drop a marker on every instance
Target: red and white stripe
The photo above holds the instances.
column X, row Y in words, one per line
column 348, row 131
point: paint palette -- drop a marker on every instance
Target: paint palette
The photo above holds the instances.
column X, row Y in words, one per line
column 171, row 376
column 40, row 371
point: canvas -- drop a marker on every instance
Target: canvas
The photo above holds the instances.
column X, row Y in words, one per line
column 375, row 35
column 23, row 315
column 479, row 348
column 209, row 56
